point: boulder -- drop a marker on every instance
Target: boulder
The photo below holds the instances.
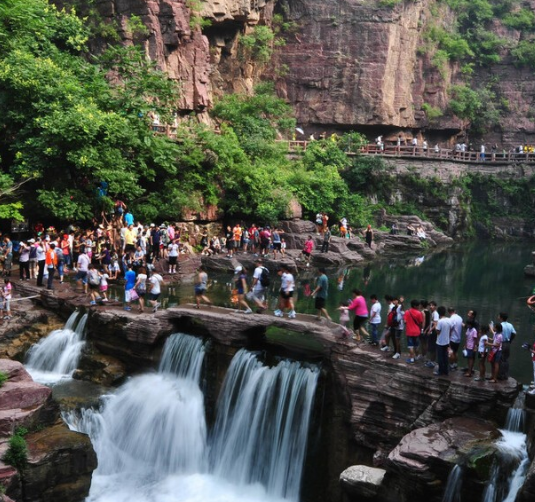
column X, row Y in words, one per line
column 424, row 458
column 362, row 481
column 23, row 403
column 60, row 465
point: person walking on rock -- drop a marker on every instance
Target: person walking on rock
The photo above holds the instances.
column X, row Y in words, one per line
column 321, row 293
column 286, row 293
column 201, row 284
column 360, row 309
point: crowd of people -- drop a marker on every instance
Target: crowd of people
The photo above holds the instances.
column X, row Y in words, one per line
column 434, row 335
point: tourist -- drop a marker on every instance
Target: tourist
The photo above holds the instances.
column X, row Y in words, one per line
column 456, row 323
column 385, row 335
column 482, row 153
column 414, row 322
column 283, row 247
column 532, row 351
column 344, row 318
column 320, row 294
column 172, row 256
column 307, row 250
column 33, row 258
column 424, row 337
column 93, row 280
column 495, row 353
column 229, row 242
column 129, row 291
column 286, row 293
column 103, row 286
column 368, row 235
column 24, row 261
column 41, row 261
column 260, row 283
column 140, row 287
column 398, row 328
column 375, row 318
column 6, row 295
column 326, row 240
column 82, row 266
column 482, row 352
column 319, row 223
column 277, row 243
column 200, row 286
column 432, row 331
column 324, row 222
column 241, row 288
column 469, row 346
column 8, row 256
column 236, row 237
column 265, row 240
column 443, row 341
column 155, row 282
column 508, row 333
column 51, row 261
column 360, row 309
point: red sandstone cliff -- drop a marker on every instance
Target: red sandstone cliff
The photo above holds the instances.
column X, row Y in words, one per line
column 349, row 64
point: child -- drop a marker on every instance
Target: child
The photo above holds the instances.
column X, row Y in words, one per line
column 283, row 247
column 115, row 268
column 103, row 287
column 344, row 319
column 470, row 345
column 482, row 349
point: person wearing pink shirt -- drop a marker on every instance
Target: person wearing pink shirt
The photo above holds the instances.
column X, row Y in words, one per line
column 360, row 309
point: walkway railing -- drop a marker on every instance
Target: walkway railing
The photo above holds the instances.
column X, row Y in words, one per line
column 295, row 146
column 431, row 153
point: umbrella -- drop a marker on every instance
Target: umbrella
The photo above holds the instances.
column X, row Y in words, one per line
column 299, row 130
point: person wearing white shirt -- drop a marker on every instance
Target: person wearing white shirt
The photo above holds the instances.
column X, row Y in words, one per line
column 375, row 318
column 456, row 322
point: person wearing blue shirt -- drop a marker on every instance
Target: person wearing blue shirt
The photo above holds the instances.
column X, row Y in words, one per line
column 129, row 219
column 130, row 278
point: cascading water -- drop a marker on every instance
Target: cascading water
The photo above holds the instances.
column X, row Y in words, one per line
column 509, row 470
column 454, row 485
column 151, row 437
column 263, row 414
column 56, row 357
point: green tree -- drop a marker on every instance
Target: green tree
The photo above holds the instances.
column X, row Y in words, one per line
column 65, row 125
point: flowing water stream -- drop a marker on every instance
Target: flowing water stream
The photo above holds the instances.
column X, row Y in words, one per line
column 509, row 470
column 56, row 357
column 153, row 445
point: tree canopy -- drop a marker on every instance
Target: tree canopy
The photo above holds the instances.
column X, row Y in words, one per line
column 75, row 134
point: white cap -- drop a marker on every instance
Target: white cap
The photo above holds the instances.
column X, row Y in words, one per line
column 238, row 269
column 152, row 224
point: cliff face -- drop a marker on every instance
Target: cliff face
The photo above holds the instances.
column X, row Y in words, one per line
column 347, row 64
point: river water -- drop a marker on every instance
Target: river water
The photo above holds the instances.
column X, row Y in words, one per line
column 485, row 276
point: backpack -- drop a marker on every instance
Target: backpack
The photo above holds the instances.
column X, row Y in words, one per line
column 33, row 252
column 94, row 279
column 264, row 278
column 392, row 318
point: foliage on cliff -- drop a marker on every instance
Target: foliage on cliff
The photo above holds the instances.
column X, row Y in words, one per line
column 76, row 128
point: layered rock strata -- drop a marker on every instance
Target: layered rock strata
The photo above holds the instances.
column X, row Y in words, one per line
column 60, row 462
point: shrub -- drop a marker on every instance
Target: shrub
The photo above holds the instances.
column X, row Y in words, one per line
column 17, row 452
column 3, row 378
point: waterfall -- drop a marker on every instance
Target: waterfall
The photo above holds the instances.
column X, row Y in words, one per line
column 179, row 357
column 151, row 435
column 56, row 356
column 454, row 484
column 509, row 469
column 263, row 413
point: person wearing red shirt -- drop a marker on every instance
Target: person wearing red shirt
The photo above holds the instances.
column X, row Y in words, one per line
column 414, row 322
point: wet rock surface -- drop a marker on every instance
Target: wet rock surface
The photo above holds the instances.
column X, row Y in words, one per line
column 60, row 462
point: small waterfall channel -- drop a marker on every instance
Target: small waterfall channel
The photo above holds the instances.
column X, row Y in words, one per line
column 509, row 470
column 153, row 445
column 453, row 486
column 56, row 357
